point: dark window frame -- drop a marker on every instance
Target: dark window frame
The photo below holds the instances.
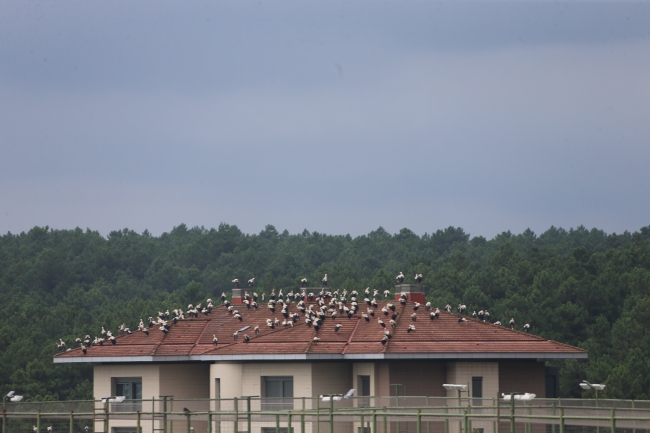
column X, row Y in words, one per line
column 133, row 401
column 283, row 385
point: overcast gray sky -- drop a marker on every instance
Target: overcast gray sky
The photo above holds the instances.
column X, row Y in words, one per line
column 335, row 116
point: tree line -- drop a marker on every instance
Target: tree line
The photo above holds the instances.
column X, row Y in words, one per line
column 581, row 287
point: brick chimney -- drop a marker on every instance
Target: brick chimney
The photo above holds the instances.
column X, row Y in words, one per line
column 237, row 295
column 414, row 292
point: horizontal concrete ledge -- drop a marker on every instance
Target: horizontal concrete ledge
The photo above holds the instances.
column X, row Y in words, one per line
column 318, row 357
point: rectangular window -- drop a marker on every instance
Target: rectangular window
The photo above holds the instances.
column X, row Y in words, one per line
column 363, row 387
column 477, row 390
column 124, row 430
column 131, row 389
column 277, row 392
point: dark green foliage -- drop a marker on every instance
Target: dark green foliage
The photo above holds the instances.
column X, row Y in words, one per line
column 581, row 287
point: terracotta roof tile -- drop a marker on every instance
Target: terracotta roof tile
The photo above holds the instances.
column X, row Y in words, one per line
column 356, row 336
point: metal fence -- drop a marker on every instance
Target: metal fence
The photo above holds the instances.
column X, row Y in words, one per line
column 330, row 415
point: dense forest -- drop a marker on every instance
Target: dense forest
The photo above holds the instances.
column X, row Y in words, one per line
column 581, row 287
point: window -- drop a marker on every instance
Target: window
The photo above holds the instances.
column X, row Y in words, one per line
column 552, row 382
column 131, row 389
column 124, row 430
column 277, row 392
column 363, row 385
column 477, row 390
column 273, row 430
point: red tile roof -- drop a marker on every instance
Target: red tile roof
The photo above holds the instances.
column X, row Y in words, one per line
column 357, row 337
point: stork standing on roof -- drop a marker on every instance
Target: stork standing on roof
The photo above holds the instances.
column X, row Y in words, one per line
column 418, row 278
column 400, row 278
column 324, row 281
column 251, row 282
column 235, row 282
column 512, row 323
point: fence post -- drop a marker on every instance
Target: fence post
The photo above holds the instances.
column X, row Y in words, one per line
column 164, row 414
column 153, row 414
column 494, row 424
column 499, row 414
column 512, row 413
column 613, row 420
column 236, row 403
column 139, row 425
column 374, row 421
column 189, row 422
column 38, row 421
column 553, row 424
column 447, row 420
column 465, row 421
column 302, row 420
column 106, row 416
column 386, row 423
column 561, row 420
column 419, row 424
column 289, row 422
column 277, row 423
column 248, row 413
column 209, row 421
column 71, row 422
column 317, row 415
column 362, row 422
column 634, row 407
column 331, row 414
column 171, row 409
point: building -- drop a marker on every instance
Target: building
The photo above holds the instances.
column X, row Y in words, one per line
column 286, row 362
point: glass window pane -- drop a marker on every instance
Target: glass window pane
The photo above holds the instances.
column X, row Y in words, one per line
column 287, row 386
column 365, row 385
column 273, row 388
column 137, row 391
column 477, row 387
column 124, row 389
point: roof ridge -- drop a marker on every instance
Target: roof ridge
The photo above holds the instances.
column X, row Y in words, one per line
column 502, row 327
column 567, row 345
column 207, row 322
column 399, row 316
column 157, row 346
column 347, row 343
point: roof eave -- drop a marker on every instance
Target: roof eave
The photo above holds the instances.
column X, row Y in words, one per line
column 320, row 357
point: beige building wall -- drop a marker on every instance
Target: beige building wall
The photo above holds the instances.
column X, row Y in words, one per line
column 185, row 382
column 245, row 379
column 104, row 386
column 331, row 378
column 180, row 381
column 461, row 373
column 364, row 369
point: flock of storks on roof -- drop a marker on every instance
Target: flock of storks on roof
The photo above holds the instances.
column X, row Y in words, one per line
column 315, row 308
